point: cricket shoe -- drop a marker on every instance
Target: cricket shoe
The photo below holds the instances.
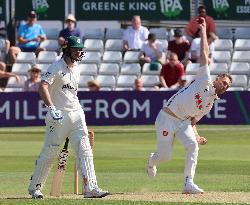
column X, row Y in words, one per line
column 96, row 193
column 36, row 194
column 151, row 169
column 191, row 188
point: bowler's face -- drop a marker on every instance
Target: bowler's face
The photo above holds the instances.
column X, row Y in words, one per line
column 221, row 84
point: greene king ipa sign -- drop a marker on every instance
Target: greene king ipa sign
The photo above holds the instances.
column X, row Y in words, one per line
column 228, row 9
column 45, row 9
column 153, row 10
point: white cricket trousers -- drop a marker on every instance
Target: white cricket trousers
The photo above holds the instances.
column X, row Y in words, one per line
column 74, row 127
column 168, row 127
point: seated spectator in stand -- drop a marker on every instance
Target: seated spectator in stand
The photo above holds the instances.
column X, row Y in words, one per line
column 172, row 73
column 192, row 29
column 32, row 84
column 70, row 30
column 29, row 37
column 152, row 52
column 135, row 35
column 139, row 85
column 195, row 48
column 180, row 46
column 94, row 85
column 4, row 74
column 2, row 66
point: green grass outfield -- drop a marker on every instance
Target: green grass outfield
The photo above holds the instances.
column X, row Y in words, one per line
column 120, row 159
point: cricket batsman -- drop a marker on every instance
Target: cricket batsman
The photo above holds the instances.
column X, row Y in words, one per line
column 180, row 114
column 65, row 118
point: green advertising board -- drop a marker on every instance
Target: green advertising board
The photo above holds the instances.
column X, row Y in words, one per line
column 45, row 9
column 228, row 9
column 152, row 10
column 2, row 10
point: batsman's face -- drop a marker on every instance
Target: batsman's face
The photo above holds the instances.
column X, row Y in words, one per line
column 221, row 84
column 77, row 53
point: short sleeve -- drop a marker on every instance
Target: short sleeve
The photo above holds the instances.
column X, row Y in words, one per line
column 146, row 32
column 50, row 75
column 41, row 31
column 143, row 48
column 21, row 30
column 125, row 35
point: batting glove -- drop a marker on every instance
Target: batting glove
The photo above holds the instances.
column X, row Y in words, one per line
column 56, row 114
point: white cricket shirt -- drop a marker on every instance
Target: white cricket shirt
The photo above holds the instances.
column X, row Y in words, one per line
column 196, row 99
column 63, row 85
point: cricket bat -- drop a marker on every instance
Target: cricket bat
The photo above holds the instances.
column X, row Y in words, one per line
column 59, row 173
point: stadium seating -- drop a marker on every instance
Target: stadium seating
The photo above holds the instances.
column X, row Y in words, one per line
column 126, row 81
column 88, row 69
column 13, row 84
column 20, row 68
column 93, row 45
column 84, row 79
column 13, row 90
column 224, row 33
column 150, row 80
column 242, row 33
column 92, row 57
column 218, row 68
column 47, row 57
column 43, row 67
column 239, row 81
column 106, row 81
column 114, row 33
column 112, row 57
column 161, row 33
column 50, row 45
column 235, row 89
column 131, row 69
column 192, row 68
column 146, row 70
column 239, row 68
column 222, row 56
column 242, row 45
column 123, row 89
column 94, row 33
column 241, row 56
column 223, row 45
column 131, row 57
column 109, row 69
column 114, row 45
column 26, row 57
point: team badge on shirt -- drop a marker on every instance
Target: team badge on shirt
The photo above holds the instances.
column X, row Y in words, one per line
column 198, row 101
column 165, row 133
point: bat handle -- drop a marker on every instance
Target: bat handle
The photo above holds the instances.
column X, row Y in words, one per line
column 76, row 180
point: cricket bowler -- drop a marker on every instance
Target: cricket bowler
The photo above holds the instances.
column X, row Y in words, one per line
column 180, row 114
column 65, row 118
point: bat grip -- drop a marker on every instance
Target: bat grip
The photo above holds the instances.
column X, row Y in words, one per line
column 66, row 144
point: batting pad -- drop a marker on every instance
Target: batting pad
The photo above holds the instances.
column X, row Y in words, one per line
column 43, row 165
column 86, row 165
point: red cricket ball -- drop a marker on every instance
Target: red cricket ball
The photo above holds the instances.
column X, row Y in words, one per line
column 200, row 20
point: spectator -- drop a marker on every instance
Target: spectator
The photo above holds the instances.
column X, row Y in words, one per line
column 172, row 73
column 139, row 85
column 180, row 46
column 29, row 37
column 195, row 48
column 32, row 84
column 192, row 29
column 135, row 35
column 4, row 74
column 94, row 85
column 152, row 52
column 70, row 30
